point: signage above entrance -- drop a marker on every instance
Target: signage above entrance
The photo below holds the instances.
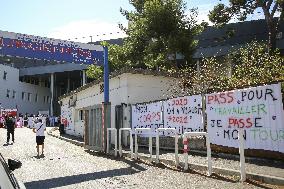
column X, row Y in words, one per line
column 35, row 47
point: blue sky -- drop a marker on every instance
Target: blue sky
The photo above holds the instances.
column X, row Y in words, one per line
column 70, row 19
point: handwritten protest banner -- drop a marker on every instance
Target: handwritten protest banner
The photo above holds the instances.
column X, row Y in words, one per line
column 257, row 110
column 184, row 114
column 147, row 116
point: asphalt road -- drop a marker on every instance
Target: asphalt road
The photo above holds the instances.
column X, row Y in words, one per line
column 68, row 166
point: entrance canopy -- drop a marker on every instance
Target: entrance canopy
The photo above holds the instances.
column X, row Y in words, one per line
column 35, row 47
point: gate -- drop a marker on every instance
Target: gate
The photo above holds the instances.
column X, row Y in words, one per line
column 97, row 120
column 94, row 128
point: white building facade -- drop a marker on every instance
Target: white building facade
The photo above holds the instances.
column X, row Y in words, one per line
column 26, row 97
column 124, row 89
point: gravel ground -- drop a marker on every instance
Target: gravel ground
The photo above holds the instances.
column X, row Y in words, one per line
column 68, row 166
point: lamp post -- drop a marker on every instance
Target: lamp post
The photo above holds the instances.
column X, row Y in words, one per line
column 106, row 75
column 106, row 104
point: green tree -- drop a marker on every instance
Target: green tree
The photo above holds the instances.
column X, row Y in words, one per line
column 253, row 65
column 116, row 61
column 157, row 30
column 241, row 9
column 250, row 65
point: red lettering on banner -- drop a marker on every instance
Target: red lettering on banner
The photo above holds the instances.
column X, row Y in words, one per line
column 249, row 123
column 230, row 97
column 177, row 119
column 220, row 98
column 68, row 50
column 179, row 102
column 150, row 117
column 241, row 123
column 18, row 43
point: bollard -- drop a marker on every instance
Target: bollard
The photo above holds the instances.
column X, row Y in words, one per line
column 157, row 147
column 242, row 155
column 209, row 160
column 185, row 145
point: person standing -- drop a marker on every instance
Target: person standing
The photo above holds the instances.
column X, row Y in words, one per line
column 31, row 122
column 39, row 130
column 10, row 126
column 56, row 121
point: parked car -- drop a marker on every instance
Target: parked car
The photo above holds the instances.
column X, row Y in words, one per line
column 7, row 178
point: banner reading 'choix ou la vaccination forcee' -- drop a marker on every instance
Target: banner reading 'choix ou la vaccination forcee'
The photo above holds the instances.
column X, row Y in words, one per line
column 257, row 110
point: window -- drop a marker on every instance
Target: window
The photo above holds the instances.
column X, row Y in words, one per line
column 47, row 99
column 29, row 96
column 36, row 97
column 23, row 95
column 5, row 75
column 81, row 115
column 14, row 94
column 43, row 99
column 8, row 93
column 46, row 84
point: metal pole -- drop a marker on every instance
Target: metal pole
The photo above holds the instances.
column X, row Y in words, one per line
column 176, row 149
column 136, row 145
column 106, row 75
column 84, row 77
column 131, row 144
column 185, row 152
column 115, row 143
column 242, row 155
column 119, row 143
column 157, row 147
column 107, row 141
column 52, row 93
column 208, row 155
column 150, row 146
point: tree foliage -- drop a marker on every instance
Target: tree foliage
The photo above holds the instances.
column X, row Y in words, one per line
column 158, row 29
column 241, row 9
column 250, row 65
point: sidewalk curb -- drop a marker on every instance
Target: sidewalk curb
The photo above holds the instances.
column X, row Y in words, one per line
column 221, row 171
column 81, row 144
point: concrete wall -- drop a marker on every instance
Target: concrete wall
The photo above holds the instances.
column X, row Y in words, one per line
column 12, row 83
column 126, row 88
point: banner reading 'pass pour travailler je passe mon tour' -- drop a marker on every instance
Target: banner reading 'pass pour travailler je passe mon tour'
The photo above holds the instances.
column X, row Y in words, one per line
column 257, row 110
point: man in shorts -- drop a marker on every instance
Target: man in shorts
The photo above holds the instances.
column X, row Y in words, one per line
column 39, row 130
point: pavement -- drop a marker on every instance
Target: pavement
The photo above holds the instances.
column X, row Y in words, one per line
column 65, row 165
column 261, row 170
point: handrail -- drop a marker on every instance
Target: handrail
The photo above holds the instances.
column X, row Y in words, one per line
column 131, row 140
column 189, row 134
column 150, row 141
column 158, row 143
